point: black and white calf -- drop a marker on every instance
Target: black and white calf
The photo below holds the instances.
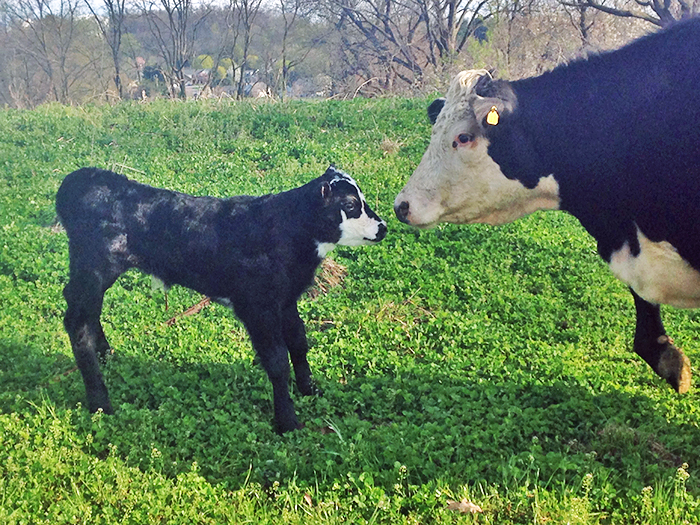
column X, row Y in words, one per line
column 254, row 254
column 613, row 139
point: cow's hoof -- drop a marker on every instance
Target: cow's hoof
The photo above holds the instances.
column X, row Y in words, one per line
column 674, row 367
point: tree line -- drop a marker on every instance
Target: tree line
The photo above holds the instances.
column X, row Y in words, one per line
column 81, row 51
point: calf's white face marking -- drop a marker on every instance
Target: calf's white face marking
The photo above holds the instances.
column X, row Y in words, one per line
column 457, row 181
column 356, row 231
column 359, row 225
column 658, row 274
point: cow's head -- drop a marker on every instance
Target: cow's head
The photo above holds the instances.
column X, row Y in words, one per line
column 457, row 180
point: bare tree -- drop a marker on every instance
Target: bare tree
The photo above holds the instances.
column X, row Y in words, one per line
column 450, row 23
column 112, row 30
column 580, row 15
column 381, row 37
column 292, row 11
column 47, row 29
column 510, row 12
column 174, row 24
column 248, row 11
column 226, row 40
column 658, row 12
column 6, row 57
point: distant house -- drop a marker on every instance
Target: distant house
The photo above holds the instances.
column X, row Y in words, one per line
column 258, row 90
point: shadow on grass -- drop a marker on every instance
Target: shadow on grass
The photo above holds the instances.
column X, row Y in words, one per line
column 436, row 423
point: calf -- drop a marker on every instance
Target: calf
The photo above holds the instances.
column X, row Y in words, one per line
column 253, row 254
column 613, row 139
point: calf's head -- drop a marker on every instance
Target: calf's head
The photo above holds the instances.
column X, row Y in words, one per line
column 346, row 218
column 457, row 179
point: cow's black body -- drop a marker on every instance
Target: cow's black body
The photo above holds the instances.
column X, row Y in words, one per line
column 614, row 139
column 620, row 132
column 255, row 254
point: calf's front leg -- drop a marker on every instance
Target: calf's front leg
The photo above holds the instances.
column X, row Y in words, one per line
column 653, row 345
column 295, row 337
column 268, row 342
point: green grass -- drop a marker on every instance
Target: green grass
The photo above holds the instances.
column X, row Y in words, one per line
column 491, row 364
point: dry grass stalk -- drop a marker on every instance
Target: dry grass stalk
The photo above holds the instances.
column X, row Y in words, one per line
column 194, row 309
column 331, row 275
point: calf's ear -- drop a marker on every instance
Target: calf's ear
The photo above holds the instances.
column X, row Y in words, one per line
column 326, row 190
column 495, row 99
column 435, row 108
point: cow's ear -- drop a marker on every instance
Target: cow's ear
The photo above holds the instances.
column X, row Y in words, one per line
column 486, row 86
column 495, row 99
column 434, row 109
column 326, row 190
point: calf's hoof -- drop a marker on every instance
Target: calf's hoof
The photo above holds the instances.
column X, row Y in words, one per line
column 288, row 426
column 98, row 398
column 309, row 388
column 674, row 366
column 105, row 407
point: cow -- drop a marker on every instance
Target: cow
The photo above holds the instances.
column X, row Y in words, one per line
column 255, row 255
column 613, row 139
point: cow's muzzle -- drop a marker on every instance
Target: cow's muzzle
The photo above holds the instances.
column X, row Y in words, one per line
column 401, row 210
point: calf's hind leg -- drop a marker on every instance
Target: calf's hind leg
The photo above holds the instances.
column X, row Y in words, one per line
column 84, row 294
column 653, row 345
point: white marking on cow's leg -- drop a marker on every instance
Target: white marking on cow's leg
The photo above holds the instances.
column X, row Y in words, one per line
column 658, row 274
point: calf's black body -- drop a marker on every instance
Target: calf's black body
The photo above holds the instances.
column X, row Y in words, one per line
column 253, row 254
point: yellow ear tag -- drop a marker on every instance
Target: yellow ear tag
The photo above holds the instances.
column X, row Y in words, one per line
column 492, row 117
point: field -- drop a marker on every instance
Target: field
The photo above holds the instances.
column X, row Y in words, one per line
column 460, row 367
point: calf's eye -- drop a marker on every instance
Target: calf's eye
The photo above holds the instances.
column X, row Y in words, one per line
column 350, row 206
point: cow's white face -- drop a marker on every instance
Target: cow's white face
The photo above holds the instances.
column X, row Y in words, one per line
column 457, row 181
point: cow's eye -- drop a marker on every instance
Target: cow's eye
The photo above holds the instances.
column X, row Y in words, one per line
column 462, row 138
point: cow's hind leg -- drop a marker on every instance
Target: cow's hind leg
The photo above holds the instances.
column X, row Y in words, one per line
column 84, row 294
column 653, row 345
column 295, row 338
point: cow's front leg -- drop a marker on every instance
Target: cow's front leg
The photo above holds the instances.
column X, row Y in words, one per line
column 295, row 338
column 266, row 335
column 653, row 345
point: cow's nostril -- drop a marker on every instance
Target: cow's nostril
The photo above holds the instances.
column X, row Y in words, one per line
column 401, row 211
column 381, row 232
